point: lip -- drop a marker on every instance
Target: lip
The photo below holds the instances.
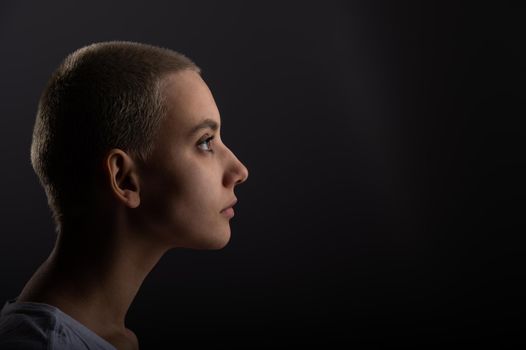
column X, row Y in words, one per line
column 228, row 212
column 230, row 206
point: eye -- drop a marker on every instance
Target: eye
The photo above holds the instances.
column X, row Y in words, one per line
column 207, row 142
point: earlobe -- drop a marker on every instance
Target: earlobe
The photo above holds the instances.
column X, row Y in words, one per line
column 133, row 197
column 123, row 177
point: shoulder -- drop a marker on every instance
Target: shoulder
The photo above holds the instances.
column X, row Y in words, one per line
column 35, row 326
column 19, row 331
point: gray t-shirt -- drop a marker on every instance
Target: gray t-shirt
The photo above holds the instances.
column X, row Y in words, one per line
column 29, row 325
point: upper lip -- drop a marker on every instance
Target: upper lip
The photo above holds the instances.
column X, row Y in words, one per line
column 231, row 204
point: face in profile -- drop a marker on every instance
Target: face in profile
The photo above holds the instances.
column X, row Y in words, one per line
column 192, row 175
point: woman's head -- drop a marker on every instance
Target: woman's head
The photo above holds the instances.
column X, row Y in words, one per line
column 112, row 96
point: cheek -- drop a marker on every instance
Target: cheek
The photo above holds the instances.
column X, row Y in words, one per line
column 188, row 187
column 182, row 193
column 197, row 192
column 193, row 217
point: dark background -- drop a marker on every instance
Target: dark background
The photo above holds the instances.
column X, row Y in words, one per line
column 386, row 196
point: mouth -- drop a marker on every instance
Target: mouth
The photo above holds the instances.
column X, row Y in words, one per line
column 230, row 206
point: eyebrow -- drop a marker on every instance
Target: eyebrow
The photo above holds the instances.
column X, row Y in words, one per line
column 207, row 123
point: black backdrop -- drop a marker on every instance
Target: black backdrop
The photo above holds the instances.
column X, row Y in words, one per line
column 386, row 195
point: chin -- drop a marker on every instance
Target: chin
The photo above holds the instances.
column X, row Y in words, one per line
column 210, row 243
column 219, row 243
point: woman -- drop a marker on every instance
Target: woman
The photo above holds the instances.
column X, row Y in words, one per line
column 127, row 146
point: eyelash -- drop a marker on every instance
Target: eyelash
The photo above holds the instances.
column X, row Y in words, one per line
column 208, row 140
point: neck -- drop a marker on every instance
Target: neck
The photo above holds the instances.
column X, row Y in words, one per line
column 93, row 275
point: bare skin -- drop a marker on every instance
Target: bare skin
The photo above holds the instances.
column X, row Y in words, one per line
column 97, row 266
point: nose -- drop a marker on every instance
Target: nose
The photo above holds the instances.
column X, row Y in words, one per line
column 237, row 172
column 243, row 173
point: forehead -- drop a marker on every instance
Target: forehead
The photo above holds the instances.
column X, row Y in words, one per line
column 189, row 101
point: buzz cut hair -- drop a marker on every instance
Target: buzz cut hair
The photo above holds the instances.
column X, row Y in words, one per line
column 102, row 96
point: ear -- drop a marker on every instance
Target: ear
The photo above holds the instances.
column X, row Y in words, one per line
column 123, row 177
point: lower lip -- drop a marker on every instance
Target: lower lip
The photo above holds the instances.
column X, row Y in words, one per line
column 228, row 212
